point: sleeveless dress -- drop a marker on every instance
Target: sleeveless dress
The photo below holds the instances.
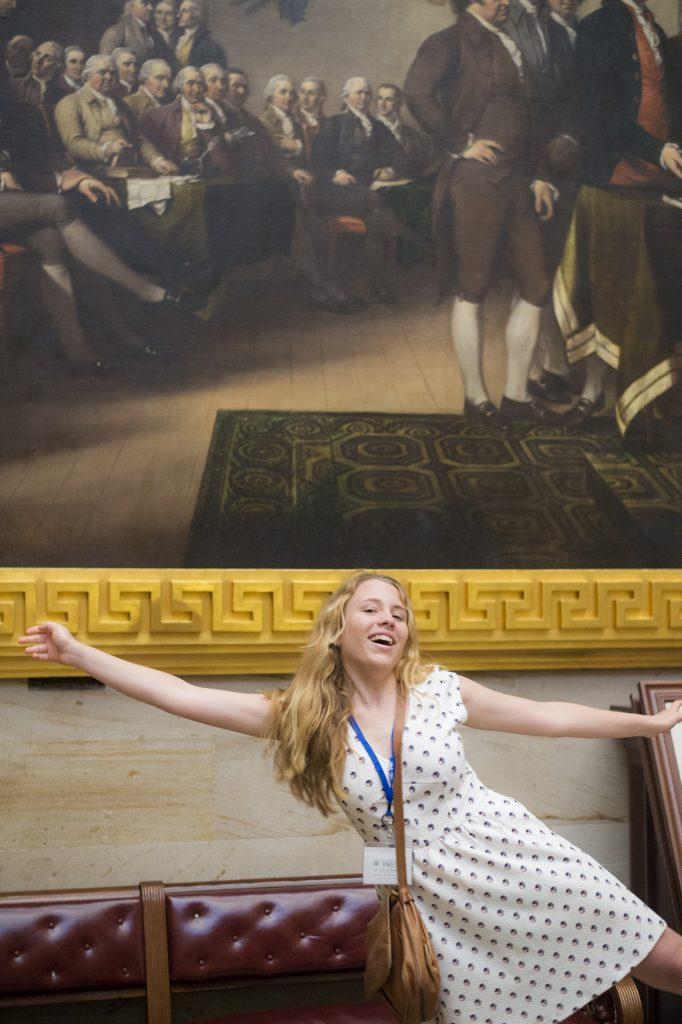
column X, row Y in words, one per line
column 526, row 926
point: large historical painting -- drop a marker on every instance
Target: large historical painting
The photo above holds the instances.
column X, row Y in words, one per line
column 305, row 283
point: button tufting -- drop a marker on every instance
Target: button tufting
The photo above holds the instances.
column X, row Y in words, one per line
column 302, row 934
column 17, row 953
column 268, row 956
column 120, row 920
column 50, row 924
column 86, row 945
column 335, row 907
column 267, row 910
column 53, row 973
column 235, row 938
column 197, row 914
column 124, row 970
column 202, row 963
column 337, row 950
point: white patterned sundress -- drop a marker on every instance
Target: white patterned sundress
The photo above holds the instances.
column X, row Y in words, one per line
column 526, row 926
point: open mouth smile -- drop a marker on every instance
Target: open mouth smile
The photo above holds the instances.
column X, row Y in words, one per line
column 382, row 639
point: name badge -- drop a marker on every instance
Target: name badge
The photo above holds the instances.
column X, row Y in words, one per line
column 380, row 867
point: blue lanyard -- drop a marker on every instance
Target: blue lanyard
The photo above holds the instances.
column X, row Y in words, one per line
column 386, row 783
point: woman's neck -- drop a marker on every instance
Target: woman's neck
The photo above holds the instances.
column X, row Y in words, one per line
column 368, row 692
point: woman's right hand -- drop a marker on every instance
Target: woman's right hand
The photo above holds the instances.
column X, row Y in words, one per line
column 50, row 641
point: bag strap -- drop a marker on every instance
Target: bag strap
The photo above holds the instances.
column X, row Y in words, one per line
column 398, row 819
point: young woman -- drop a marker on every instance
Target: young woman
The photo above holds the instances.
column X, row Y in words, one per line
column 526, row 926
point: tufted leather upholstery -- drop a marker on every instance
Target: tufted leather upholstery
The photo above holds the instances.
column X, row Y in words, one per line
column 57, row 946
column 56, row 942
column 230, row 932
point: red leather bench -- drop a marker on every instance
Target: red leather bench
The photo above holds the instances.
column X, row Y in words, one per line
column 53, row 944
column 157, row 940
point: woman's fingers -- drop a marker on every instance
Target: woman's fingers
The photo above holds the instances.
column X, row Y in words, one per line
column 37, row 649
column 33, row 634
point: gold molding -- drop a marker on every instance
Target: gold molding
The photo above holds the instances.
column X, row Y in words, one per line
column 253, row 621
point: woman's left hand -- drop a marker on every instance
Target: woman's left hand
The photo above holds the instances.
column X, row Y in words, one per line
column 668, row 719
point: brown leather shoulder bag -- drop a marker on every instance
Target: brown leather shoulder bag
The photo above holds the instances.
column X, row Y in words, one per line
column 401, row 963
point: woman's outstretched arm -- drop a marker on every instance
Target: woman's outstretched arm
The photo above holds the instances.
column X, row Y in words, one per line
column 248, row 713
column 501, row 712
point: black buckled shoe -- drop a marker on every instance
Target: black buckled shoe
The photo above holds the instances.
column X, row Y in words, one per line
column 554, row 387
column 527, row 412
column 485, row 413
column 583, row 411
column 338, row 304
column 89, row 368
column 179, row 301
column 141, row 352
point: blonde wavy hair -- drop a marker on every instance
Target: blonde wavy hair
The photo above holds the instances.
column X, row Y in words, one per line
column 310, row 721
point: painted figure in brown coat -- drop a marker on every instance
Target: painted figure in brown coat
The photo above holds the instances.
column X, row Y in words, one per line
column 466, row 88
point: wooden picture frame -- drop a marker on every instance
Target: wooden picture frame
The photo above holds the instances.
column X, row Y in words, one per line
column 663, row 773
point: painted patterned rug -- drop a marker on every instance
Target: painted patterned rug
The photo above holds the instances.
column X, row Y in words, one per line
column 330, row 490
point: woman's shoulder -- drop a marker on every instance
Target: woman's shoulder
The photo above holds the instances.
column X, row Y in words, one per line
column 439, row 682
column 442, row 688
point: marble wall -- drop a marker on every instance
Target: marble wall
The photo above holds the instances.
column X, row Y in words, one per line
column 98, row 789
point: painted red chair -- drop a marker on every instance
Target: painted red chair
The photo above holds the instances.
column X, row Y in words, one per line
column 17, row 263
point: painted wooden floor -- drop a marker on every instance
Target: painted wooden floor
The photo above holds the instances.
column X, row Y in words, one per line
column 105, row 471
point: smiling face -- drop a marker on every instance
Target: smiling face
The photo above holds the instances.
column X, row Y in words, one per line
column 375, row 630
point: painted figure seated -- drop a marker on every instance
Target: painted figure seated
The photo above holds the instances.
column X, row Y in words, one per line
column 352, row 151
column 189, row 131
column 286, row 133
column 71, row 78
column 418, row 150
column 155, row 87
column 39, row 88
column 127, row 68
column 98, row 131
column 18, row 56
column 309, row 110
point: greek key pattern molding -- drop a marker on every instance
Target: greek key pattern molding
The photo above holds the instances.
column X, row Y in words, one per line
column 224, row 622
